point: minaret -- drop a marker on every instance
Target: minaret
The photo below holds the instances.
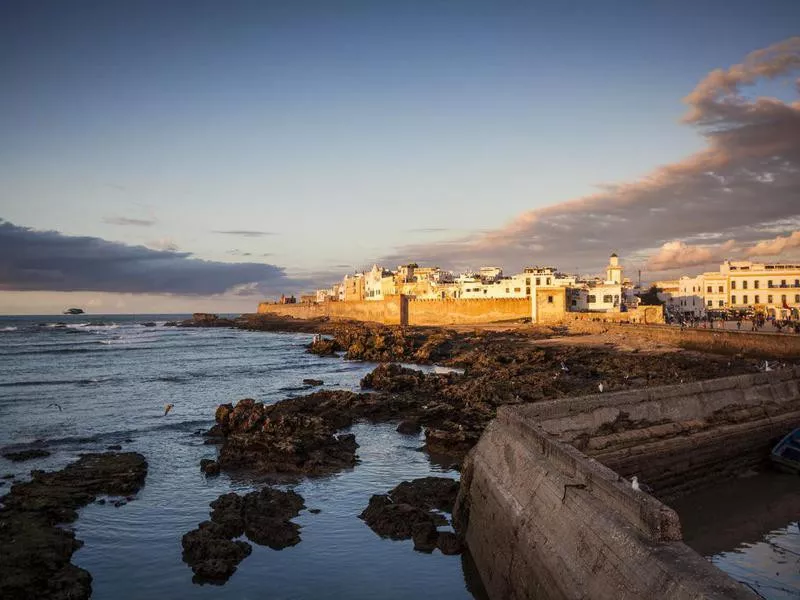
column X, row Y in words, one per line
column 613, row 270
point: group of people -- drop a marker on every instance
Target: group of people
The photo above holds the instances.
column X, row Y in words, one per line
column 756, row 322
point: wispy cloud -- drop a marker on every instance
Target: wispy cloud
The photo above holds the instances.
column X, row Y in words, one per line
column 129, row 221
column 776, row 246
column 245, row 233
column 429, row 230
column 32, row 260
column 747, row 176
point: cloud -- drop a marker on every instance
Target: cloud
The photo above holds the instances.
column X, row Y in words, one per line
column 746, row 177
column 428, row 230
column 679, row 255
column 246, row 233
column 775, row 246
column 129, row 221
column 32, row 260
column 163, row 244
column 236, row 252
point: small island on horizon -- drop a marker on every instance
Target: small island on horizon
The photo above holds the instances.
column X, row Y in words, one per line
column 73, row 311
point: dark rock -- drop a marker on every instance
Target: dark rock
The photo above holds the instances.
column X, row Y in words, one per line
column 409, row 427
column 100, row 501
column 313, row 381
column 148, row 324
column 127, row 440
column 392, row 378
column 171, row 324
column 9, row 476
column 449, row 543
column 35, row 551
column 209, row 467
column 114, row 447
column 394, row 520
column 425, row 536
column 263, row 516
column 119, row 503
column 26, row 455
column 428, row 492
column 324, row 347
column 314, row 511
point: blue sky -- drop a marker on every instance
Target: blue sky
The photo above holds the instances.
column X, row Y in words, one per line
column 347, row 132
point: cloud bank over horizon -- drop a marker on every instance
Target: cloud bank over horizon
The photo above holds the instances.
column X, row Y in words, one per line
column 730, row 199
column 51, row 261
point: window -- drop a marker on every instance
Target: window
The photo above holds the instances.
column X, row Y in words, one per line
column 538, row 281
column 608, row 298
column 527, row 281
column 756, row 283
column 591, row 299
column 548, row 281
column 733, row 299
column 721, row 290
column 710, row 304
column 506, row 290
column 769, row 283
column 783, row 283
column 744, row 287
column 549, row 299
column 757, row 299
column 721, row 303
column 516, row 290
column 797, row 298
column 733, row 285
column 783, row 299
column 769, row 299
column 797, row 283
column 528, row 291
column 708, row 289
column 485, row 290
column 744, row 299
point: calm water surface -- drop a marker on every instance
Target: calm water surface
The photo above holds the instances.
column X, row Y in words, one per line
column 112, row 377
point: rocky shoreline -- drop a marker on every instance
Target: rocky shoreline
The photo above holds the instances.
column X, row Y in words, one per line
column 35, row 551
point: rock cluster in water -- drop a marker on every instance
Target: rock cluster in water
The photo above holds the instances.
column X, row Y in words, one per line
column 409, row 511
column 212, row 551
column 23, row 455
column 35, row 552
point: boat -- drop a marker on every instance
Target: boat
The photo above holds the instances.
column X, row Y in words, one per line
column 73, row 311
column 786, row 453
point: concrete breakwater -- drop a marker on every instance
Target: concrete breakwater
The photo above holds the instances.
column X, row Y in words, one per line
column 545, row 519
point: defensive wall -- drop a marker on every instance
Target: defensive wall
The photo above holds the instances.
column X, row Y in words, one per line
column 645, row 315
column 547, row 514
column 718, row 341
column 397, row 310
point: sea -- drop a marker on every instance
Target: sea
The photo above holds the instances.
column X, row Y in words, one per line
column 76, row 384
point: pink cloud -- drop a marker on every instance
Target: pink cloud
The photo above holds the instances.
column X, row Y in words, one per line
column 776, row 246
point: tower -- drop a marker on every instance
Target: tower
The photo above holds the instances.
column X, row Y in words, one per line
column 614, row 270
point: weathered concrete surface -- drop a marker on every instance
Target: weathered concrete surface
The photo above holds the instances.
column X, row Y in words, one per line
column 544, row 520
column 681, row 437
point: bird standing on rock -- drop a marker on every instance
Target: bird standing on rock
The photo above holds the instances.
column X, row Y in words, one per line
column 167, row 408
column 600, row 387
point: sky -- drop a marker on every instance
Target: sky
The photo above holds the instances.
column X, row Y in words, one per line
column 181, row 156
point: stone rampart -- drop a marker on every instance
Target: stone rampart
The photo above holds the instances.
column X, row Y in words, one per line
column 465, row 311
column 404, row 310
column 546, row 513
column 650, row 315
column 752, row 344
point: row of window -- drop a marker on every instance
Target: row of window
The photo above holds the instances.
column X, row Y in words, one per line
column 607, row 299
column 757, row 299
column 756, row 283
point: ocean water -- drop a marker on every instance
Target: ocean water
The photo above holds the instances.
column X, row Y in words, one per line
column 74, row 384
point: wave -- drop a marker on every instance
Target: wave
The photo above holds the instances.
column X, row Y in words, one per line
column 8, row 328
column 85, row 381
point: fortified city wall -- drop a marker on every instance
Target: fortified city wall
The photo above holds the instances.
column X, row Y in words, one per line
column 543, row 519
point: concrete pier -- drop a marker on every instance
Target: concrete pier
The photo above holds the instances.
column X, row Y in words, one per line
column 547, row 512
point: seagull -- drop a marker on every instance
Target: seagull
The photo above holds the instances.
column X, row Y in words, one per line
column 640, row 487
column 600, row 387
column 564, row 367
column 57, row 405
column 167, row 408
column 767, row 368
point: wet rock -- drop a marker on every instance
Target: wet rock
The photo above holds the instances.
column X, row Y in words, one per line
column 35, row 551
column 410, row 510
column 119, row 503
column 9, row 476
column 26, row 455
column 149, row 324
column 209, row 467
column 114, row 447
column 449, row 543
column 314, row 511
column 263, row 516
column 313, row 382
column 100, row 501
column 409, row 427
column 171, row 324
column 324, row 347
column 286, row 437
column 392, row 378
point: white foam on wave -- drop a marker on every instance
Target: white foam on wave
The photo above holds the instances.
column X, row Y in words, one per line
column 8, row 328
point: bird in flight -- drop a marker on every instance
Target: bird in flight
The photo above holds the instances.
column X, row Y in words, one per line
column 167, row 408
column 56, row 405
